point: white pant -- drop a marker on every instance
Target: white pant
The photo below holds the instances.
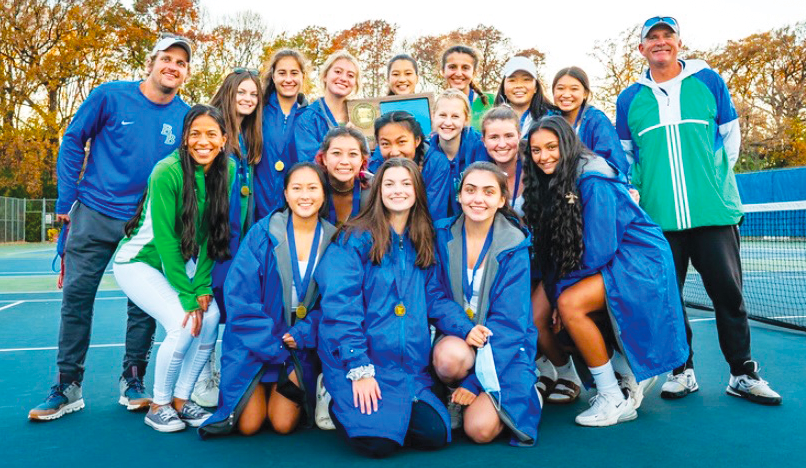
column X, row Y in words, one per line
column 180, row 357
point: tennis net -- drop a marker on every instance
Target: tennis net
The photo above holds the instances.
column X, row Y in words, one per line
column 773, row 251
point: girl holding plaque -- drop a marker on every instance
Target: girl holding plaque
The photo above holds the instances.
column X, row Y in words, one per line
column 380, row 290
column 284, row 82
column 341, row 77
column 604, row 265
column 271, row 331
column 483, row 254
column 343, row 154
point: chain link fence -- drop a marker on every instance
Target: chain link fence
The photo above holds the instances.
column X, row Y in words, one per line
column 28, row 220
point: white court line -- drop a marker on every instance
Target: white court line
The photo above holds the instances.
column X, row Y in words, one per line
column 49, row 249
column 11, row 305
column 701, row 319
column 58, row 299
column 54, row 348
column 58, row 291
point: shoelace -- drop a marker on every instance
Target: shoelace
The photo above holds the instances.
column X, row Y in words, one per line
column 137, row 385
column 57, row 391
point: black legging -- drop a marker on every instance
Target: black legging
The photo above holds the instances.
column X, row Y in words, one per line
column 426, row 431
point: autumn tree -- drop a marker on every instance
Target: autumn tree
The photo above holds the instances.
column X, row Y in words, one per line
column 622, row 64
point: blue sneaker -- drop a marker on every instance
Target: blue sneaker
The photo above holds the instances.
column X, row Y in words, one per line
column 63, row 399
column 133, row 394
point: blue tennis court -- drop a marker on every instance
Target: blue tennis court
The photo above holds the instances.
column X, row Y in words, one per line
column 707, row 428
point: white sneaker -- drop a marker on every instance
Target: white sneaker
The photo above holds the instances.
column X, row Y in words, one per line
column 205, row 392
column 752, row 387
column 605, row 410
column 680, row 385
column 321, row 413
column 634, row 389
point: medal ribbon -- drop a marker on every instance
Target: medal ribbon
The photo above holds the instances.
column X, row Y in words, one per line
column 301, row 284
column 467, row 286
column 333, row 218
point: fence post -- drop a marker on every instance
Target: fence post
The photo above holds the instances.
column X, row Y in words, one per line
column 43, row 220
column 24, row 210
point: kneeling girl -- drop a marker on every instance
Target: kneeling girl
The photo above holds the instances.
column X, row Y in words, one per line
column 484, row 258
column 380, row 290
column 272, row 325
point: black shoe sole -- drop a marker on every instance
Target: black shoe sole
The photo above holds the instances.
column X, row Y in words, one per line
column 677, row 395
column 753, row 398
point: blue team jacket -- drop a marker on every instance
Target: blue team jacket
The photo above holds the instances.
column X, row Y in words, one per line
column 471, row 150
column 504, row 308
column 359, row 327
column 278, row 139
column 310, row 129
column 258, row 297
column 635, row 260
column 598, row 133
column 435, row 172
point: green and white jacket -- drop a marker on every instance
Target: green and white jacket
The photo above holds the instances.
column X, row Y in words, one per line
column 156, row 241
column 682, row 139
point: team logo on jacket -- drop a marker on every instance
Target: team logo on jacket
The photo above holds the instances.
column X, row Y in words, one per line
column 169, row 136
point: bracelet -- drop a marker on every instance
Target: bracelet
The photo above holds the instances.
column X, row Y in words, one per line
column 361, row 372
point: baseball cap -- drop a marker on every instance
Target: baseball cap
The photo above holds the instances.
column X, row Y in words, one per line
column 170, row 41
column 656, row 20
column 520, row 63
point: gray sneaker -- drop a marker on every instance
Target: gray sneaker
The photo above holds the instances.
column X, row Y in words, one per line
column 164, row 419
column 193, row 415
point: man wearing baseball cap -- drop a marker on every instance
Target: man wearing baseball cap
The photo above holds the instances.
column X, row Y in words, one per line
column 131, row 126
column 680, row 131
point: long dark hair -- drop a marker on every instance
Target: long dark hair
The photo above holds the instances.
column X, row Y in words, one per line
column 354, row 133
column 405, row 119
column 374, row 217
column 251, row 126
column 268, row 75
column 320, row 173
column 217, row 186
column 467, row 50
column 394, row 59
column 552, row 208
column 501, row 179
column 538, row 106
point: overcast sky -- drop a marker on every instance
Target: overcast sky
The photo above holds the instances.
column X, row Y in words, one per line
column 564, row 30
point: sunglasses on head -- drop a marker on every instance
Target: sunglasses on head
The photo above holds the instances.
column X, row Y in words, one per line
column 251, row 71
column 660, row 19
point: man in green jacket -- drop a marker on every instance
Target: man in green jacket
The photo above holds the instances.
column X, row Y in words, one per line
column 680, row 131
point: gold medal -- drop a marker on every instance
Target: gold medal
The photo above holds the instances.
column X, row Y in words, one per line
column 469, row 313
column 400, row 310
column 245, row 191
column 279, row 166
column 301, row 311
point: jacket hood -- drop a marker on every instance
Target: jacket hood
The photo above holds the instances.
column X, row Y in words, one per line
column 690, row 67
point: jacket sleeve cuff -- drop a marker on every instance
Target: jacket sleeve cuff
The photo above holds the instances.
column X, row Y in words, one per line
column 188, row 301
column 472, row 383
column 298, row 336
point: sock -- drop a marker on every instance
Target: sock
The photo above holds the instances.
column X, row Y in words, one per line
column 545, row 367
column 606, row 382
column 568, row 372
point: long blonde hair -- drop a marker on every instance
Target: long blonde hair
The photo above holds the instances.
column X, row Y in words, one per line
column 333, row 58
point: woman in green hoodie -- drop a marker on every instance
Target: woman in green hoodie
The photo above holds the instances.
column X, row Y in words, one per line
column 163, row 264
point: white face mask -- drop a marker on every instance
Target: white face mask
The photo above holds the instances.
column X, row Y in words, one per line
column 485, row 371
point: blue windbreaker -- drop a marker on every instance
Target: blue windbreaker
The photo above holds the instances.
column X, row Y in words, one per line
column 471, row 150
column 598, row 133
column 359, row 327
column 504, row 308
column 258, row 296
column 311, row 127
column 278, row 139
column 629, row 250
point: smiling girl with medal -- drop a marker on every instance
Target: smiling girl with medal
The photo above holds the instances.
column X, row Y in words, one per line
column 380, row 291
column 484, row 258
column 341, row 78
column 501, row 134
column 343, row 154
column 284, row 80
column 271, row 331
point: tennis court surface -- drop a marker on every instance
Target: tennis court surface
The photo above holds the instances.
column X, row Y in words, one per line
column 707, row 428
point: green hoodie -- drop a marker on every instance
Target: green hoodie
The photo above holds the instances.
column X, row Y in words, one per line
column 156, row 241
